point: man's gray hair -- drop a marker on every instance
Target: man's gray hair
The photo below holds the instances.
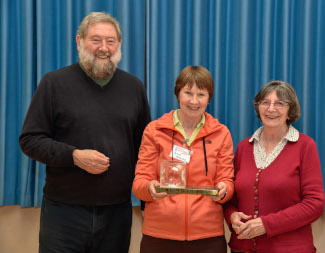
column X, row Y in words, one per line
column 95, row 17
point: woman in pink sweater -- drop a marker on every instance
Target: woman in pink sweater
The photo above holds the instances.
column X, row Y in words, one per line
column 278, row 181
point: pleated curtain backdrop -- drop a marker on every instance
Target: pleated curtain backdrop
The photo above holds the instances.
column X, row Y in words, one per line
column 243, row 43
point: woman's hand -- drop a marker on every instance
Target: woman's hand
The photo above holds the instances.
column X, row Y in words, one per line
column 152, row 190
column 251, row 229
column 236, row 222
column 222, row 187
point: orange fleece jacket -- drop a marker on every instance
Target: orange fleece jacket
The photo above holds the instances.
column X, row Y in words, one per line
column 184, row 216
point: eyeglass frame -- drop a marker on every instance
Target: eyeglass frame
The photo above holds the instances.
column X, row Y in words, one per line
column 276, row 106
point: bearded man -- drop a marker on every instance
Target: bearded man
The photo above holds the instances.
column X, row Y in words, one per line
column 85, row 122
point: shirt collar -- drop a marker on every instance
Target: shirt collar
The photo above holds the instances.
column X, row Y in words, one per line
column 292, row 135
column 100, row 81
column 177, row 122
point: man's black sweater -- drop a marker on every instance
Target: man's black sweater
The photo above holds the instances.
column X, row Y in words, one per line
column 70, row 111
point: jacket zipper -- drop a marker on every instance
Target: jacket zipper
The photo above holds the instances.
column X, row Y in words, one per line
column 186, row 199
column 186, row 208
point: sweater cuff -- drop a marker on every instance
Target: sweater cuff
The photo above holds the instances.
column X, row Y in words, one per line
column 67, row 155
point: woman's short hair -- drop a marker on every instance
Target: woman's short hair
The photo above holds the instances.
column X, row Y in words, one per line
column 197, row 75
column 284, row 92
column 95, row 17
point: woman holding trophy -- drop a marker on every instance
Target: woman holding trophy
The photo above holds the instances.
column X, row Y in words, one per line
column 201, row 150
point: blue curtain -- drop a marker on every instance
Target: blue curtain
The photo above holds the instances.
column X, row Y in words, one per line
column 243, row 43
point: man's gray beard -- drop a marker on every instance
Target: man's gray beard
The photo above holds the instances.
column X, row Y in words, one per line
column 96, row 68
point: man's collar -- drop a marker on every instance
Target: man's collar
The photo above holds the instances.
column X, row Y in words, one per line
column 100, row 81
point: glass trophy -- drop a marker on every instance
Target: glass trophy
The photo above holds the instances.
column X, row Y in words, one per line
column 173, row 180
column 173, row 174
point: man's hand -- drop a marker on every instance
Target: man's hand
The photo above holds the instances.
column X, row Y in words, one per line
column 90, row 160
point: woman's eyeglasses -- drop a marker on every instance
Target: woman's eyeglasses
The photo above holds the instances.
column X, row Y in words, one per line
column 277, row 104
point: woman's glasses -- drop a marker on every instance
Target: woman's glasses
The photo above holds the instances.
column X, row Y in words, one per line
column 277, row 104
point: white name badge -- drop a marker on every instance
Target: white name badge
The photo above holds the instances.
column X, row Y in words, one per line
column 180, row 153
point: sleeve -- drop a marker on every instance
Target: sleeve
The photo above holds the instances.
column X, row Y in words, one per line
column 231, row 206
column 225, row 167
column 143, row 119
column 36, row 138
column 146, row 169
column 310, row 208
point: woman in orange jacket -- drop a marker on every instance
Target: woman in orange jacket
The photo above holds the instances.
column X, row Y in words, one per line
column 186, row 222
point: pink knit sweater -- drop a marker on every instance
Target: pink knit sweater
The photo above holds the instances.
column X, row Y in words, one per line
column 290, row 197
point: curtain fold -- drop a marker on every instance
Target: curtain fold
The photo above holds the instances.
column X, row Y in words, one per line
column 243, row 43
